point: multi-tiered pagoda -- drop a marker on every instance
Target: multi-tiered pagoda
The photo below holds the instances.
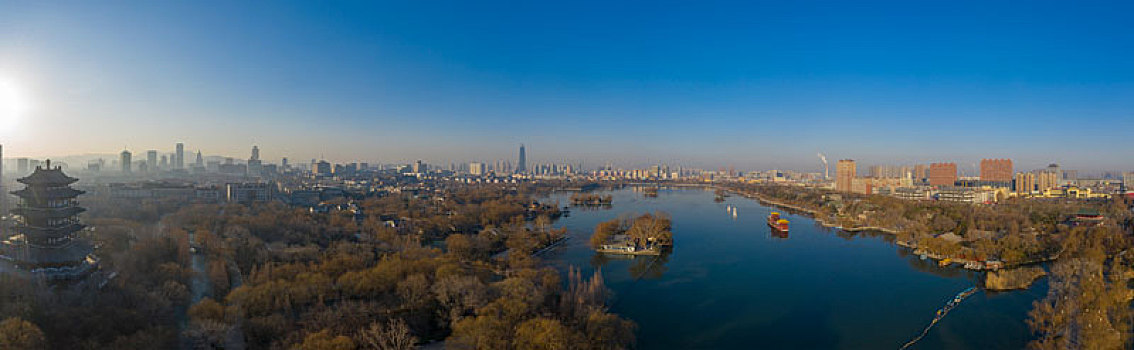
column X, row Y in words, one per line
column 45, row 242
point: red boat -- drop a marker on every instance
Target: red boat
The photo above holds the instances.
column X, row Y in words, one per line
column 777, row 224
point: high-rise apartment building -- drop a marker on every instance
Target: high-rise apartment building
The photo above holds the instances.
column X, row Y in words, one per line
column 1070, row 175
column 1128, row 181
column 996, row 170
column 942, row 174
column 889, row 172
column 845, row 172
column 876, row 171
column 1025, row 183
column 921, row 172
column 151, row 161
column 476, row 169
column 1047, row 179
column 124, row 161
column 179, row 156
column 321, row 168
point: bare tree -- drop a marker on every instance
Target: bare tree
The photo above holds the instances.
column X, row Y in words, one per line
column 395, row 335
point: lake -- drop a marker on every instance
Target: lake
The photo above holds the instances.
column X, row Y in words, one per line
column 730, row 284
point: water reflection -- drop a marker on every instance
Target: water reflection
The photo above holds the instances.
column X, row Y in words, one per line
column 592, row 207
column 735, row 286
column 649, row 267
column 930, row 266
column 641, row 267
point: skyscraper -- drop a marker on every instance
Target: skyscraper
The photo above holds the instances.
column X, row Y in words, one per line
column 124, row 161
column 522, row 165
column 179, row 156
column 254, row 164
column 845, row 172
column 942, row 174
column 151, row 161
column 200, row 160
column 996, row 170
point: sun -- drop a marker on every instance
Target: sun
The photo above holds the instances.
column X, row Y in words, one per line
column 13, row 104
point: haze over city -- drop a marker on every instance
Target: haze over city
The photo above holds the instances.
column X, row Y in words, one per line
column 574, row 175
column 756, row 86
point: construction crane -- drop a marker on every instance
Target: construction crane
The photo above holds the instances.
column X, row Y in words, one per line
column 826, row 168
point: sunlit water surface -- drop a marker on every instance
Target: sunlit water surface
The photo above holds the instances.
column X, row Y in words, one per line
column 730, row 284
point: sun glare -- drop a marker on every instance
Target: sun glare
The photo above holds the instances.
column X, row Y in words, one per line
column 13, row 104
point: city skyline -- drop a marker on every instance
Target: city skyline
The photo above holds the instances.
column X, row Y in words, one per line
column 963, row 168
column 756, row 86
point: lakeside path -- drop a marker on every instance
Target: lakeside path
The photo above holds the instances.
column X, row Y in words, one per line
column 811, row 212
column 907, row 244
column 911, row 245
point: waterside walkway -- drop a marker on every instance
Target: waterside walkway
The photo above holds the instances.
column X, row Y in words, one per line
column 941, row 314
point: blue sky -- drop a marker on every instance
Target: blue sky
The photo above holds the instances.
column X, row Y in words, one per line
column 757, row 85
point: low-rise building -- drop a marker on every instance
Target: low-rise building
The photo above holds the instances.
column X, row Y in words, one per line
column 966, row 195
column 247, row 193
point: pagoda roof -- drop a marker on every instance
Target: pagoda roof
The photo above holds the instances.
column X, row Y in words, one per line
column 48, row 176
column 51, row 231
column 70, row 254
column 1087, row 212
column 48, row 212
column 47, row 193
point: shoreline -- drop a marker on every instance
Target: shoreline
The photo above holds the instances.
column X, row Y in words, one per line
column 966, row 264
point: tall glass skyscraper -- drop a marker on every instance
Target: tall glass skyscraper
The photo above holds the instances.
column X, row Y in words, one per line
column 522, row 165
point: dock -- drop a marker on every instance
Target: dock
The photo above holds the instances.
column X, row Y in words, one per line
column 629, row 252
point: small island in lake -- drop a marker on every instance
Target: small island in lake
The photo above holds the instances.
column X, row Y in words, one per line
column 590, row 199
column 647, row 234
column 720, row 196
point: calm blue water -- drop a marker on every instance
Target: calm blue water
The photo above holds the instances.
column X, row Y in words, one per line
column 730, row 284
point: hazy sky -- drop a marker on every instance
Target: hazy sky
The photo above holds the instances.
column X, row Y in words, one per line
column 755, row 85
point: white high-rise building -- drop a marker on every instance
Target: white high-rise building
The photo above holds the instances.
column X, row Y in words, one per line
column 476, row 169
